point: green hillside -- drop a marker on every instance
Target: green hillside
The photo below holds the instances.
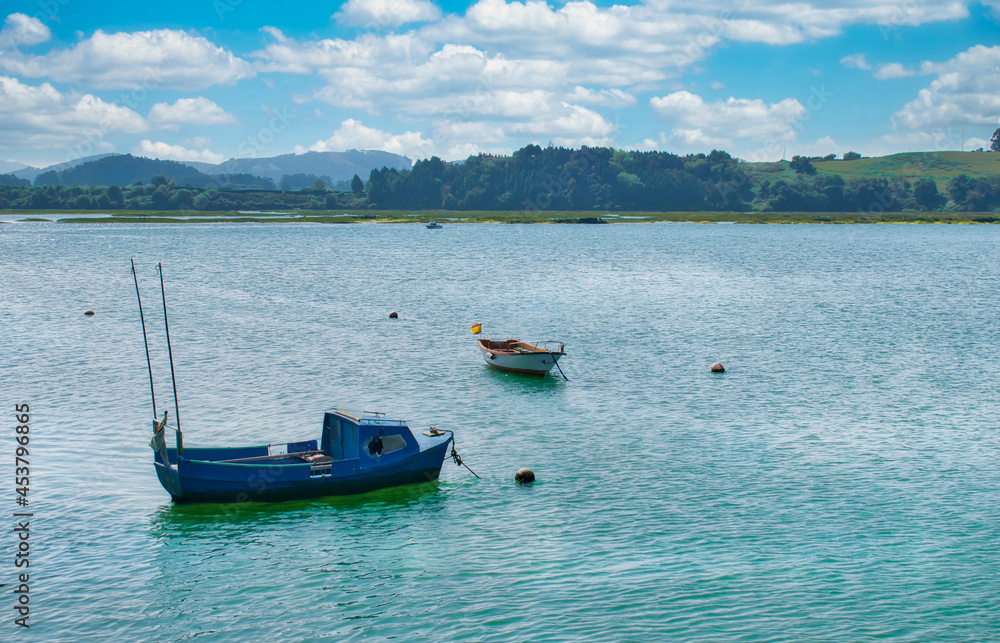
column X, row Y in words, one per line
column 940, row 166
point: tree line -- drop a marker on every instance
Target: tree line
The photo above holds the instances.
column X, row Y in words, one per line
column 533, row 178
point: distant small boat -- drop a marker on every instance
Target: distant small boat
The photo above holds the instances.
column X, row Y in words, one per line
column 515, row 356
column 434, row 225
column 357, row 452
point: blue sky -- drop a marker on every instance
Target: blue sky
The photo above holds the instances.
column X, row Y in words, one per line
column 215, row 79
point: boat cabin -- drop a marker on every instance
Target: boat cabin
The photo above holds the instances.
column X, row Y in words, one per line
column 371, row 437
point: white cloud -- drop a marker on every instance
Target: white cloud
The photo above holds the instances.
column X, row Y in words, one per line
column 568, row 123
column 882, row 72
column 384, row 14
column 821, row 147
column 507, row 116
column 504, row 70
column 166, row 151
column 163, row 58
column 614, row 46
column 695, row 141
column 788, row 22
column 892, row 70
column 480, row 132
column 41, row 116
column 932, row 140
column 22, row 30
column 190, row 111
column 197, row 141
column 965, row 93
column 974, row 142
column 734, row 117
column 855, row 61
column 509, row 68
column 613, row 97
column 692, row 140
column 352, row 134
column 572, row 126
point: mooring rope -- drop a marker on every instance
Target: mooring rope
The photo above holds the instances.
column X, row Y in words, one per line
column 458, row 459
column 454, row 453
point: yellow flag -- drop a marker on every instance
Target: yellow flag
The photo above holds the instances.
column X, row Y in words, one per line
column 476, row 329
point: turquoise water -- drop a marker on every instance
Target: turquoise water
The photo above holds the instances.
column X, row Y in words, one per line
column 839, row 482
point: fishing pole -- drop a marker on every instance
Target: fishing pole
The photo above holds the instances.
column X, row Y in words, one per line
column 173, row 381
column 144, row 340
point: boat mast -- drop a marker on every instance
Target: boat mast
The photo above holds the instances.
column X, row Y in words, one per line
column 145, row 342
column 173, row 381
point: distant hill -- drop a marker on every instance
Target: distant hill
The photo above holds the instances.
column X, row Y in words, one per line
column 31, row 173
column 6, row 167
column 261, row 173
column 123, row 169
column 337, row 166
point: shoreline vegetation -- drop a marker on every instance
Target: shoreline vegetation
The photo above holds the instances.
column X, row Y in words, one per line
column 448, row 217
column 550, row 185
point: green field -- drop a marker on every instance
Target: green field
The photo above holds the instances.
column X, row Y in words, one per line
column 940, row 166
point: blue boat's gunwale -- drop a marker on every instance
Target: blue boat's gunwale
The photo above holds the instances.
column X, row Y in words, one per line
column 251, row 465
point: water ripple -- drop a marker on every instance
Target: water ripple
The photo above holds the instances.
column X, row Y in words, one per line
column 837, row 483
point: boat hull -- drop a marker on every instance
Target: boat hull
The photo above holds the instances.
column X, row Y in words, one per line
column 535, row 362
column 202, row 481
column 356, row 456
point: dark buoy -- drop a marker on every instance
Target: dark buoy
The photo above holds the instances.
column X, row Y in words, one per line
column 88, row 313
column 718, row 368
column 394, row 315
column 524, row 476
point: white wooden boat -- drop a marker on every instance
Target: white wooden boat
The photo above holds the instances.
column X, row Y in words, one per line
column 515, row 356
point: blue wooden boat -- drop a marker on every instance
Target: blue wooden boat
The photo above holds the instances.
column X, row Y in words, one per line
column 357, row 452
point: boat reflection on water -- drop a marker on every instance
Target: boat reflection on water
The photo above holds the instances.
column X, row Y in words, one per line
column 520, row 383
column 176, row 519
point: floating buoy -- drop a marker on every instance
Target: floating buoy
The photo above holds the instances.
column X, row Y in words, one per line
column 718, row 368
column 394, row 315
column 88, row 312
column 524, row 476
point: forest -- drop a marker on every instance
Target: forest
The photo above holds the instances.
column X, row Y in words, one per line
column 590, row 179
